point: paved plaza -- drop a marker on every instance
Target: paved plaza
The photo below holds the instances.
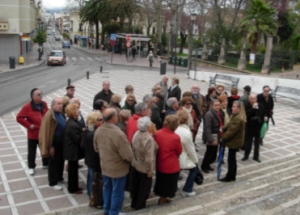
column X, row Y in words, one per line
column 23, row 194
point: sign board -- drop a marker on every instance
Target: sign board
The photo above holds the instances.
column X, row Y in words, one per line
column 112, row 42
column 113, row 37
column 128, row 38
column 25, row 39
column 128, row 44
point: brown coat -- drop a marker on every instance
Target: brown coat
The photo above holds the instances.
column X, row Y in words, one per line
column 201, row 104
column 114, row 150
column 234, row 134
column 46, row 133
column 144, row 150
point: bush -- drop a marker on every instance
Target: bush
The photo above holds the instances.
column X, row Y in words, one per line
column 40, row 37
column 66, row 36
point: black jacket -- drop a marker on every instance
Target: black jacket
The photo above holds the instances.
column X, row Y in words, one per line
column 170, row 111
column 255, row 117
column 230, row 102
column 156, row 117
column 211, row 125
column 72, row 137
column 102, row 95
column 91, row 157
column 268, row 106
column 176, row 92
column 129, row 107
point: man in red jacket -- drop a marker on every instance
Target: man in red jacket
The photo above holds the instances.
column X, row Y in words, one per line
column 30, row 116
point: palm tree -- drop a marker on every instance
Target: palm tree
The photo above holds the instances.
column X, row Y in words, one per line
column 260, row 19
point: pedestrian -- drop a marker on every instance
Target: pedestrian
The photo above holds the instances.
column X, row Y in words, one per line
column 245, row 97
column 156, row 89
column 80, row 117
column 167, row 165
column 141, row 110
column 124, row 116
column 148, row 99
column 199, row 101
column 72, row 148
column 133, row 53
column 41, row 52
column 211, row 95
column 156, row 116
column 105, row 94
column 115, row 157
column 234, row 97
column 188, row 159
column 130, row 103
column 150, row 57
column 193, row 122
column 115, row 102
column 65, row 102
column 91, row 158
column 71, row 42
column 213, row 122
column 173, row 106
column 100, row 105
column 174, row 90
column 51, row 136
column 30, row 116
column 233, row 138
column 70, row 91
column 164, row 85
column 223, row 99
column 128, row 90
column 255, row 119
column 220, row 90
column 144, row 150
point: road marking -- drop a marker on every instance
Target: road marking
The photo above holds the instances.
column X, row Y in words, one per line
column 67, row 58
column 99, row 59
column 81, row 58
column 74, row 58
column 90, row 59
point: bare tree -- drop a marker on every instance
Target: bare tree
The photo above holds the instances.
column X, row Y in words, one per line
column 74, row 4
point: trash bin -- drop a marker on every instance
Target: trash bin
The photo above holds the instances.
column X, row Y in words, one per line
column 163, row 67
column 178, row 61
column 12, row 63
column 21, row 59
column 184, row 62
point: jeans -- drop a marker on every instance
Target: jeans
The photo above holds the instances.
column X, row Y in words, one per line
column 188, row 187
column 113, row 194
column 32, row 145
column 90, row 179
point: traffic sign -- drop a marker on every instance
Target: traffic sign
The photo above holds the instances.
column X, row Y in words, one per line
column 128, row 44
column 128, row 38
column 112, row 42
column 113, row 37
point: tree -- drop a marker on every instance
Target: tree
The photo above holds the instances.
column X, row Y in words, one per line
column 260, row 19
column 40, row 37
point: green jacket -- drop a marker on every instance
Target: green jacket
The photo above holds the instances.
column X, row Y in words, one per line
column 234, row 135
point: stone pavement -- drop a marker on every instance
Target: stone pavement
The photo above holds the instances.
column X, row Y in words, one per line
column 21, row 193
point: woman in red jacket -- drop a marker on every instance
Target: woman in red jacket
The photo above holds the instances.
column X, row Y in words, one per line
column 167, row 164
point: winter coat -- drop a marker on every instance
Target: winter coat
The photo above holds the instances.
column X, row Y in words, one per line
column 268, row 106
column 231, row 99
column 234, row 135
column 91, row 158
column 176, row 92
column 201, row 105
column 132, row 127
column 211, row 125
column 156, row 116
column 129, row 107
column 102, row 95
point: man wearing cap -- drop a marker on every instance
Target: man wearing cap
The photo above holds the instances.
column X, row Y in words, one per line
column 245, row 97
column 30, row 116
column 70, row 91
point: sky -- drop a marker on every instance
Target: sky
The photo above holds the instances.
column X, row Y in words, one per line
column 54, row 3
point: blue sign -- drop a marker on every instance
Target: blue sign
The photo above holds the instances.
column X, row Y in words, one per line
column 113, row 37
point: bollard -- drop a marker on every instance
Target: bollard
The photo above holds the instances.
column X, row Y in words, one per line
column 100, row 69
column 87, row 75
column 297, row 76
column 69, row 81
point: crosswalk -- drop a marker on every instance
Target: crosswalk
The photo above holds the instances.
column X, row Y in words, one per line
column 84, row 59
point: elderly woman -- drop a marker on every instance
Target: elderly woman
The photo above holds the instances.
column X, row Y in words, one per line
column 188, row 158
column 213, row 122
column 94, row 120
column 129, row 103
column 156, row 89
column 193, row 122
column 115, row 102
column 144, row 150
column 65, row 102
column 233, row 138
column 234, row 97
column 124, row 116
column 174, row 90
column 167, row 164
column 73, row 151
column 223, row 99
column 100, row 105
column 220, row 90
column 211, row 95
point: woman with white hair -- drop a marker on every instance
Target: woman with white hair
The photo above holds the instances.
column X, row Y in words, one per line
column 143, row 164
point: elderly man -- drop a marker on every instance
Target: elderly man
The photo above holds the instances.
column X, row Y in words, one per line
column 157, row 112
column 30, row 116
column 128, row 90
column 141, row 109
column 115, row 157
column 173, row 106
column 255, row 117
column 51, row 142
column 148, row 99
column 105, row 94
column 164, row 85
column 70, row 91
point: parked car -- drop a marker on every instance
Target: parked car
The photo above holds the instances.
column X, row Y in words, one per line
column 57, row 38
column 66, row 44
column 57, row 57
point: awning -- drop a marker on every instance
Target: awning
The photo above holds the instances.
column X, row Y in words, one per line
column 134, row 37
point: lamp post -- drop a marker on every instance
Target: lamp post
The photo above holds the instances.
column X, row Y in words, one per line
column 193, row 18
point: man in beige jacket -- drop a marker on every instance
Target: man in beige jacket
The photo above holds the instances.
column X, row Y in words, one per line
column 115, row 157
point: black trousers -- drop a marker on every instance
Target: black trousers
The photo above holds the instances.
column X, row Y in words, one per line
column 250, row 134
column 194, row 136
column 210, row 156
column 140, row 189
column 56, row 163
column 73, row 177
column 232, row 167
column 32, row 145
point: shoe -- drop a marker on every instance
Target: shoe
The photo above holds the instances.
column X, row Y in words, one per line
column 79, row 188
column 257, row 160
column 244, row 159
column 189, row 194
column 78, row 192
column 225, row 180
column 210, row 169
column 223, row 162
column 45, row 167
column 62, row 180
column 31, row 171
column 56, row 187
column 205, row 170
column 180, row 177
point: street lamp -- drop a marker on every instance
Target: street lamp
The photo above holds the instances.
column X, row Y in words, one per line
column 193, row 18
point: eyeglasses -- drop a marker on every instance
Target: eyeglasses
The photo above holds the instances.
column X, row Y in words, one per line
column 100, row 119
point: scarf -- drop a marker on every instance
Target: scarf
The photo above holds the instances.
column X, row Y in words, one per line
column 221, row 123
column 235, row 96
column 190, row 119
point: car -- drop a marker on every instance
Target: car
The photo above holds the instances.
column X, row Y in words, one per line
column 66, row 44
column 57, row 38
column 57, row 57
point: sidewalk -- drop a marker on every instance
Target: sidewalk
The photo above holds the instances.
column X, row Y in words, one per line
column 30, row 60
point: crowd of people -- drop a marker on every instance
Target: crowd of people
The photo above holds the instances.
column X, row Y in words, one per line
column 124, row 142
